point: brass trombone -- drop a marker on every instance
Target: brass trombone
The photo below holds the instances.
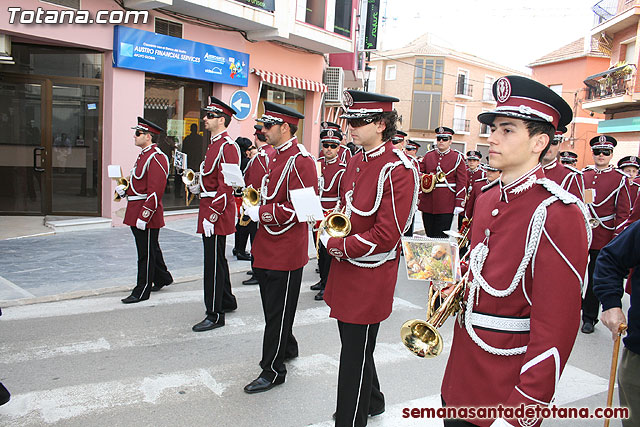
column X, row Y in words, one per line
column 421, row 337
column 120, row 181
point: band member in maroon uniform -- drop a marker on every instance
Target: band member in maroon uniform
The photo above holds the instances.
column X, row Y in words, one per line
column 609, row 212
column 256, row 169
column 217, row 214
column 329, row 185
column 448, row 196
column 630, row 166
column 528, row 257
column 144, row 210
column 475, row 170
column 565, row 176
column 411, row 149
column 398, row 140
column 280, row 249
column 344, row 153
column 491, row 174
column 568, row 158
column 379, row 192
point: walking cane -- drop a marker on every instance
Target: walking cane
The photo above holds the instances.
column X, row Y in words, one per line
column 614, row 366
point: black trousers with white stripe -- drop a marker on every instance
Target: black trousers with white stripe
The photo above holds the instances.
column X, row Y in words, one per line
column 358, row 386
column 151, row 266
column 217, row 285
column 279, row 291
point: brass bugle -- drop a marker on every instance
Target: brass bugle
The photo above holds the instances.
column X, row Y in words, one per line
column 250, row 196
column 120, row 181
column 440, row 176
column 189, row 177
column 336, row 224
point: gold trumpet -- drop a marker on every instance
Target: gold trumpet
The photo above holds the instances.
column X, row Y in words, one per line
column 120, row 181
column 422, row 337
column 440, row 176
column 250, row 197
column 189, row 177
column 336, row 224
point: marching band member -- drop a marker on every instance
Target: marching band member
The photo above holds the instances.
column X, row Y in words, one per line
column 280, row 249
column 568, row 158
column 398, row 140
column 609, row 210
column 630, row 166
column 256, row 169
column 145, row 214
column 217, row 214
column 448, row 197
column 332, row 171
column 344, row 152
column 528, row 257
column 379, row 193
column 411, row 149
column 491, row 174
column 565, row 176
column 474, row 168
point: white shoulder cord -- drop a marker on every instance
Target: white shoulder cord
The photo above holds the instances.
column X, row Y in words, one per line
column 264, row 196
column 481, row 251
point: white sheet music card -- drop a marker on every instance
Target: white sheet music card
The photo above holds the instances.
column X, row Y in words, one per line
column 114, row 171
column 232, row 175
column 180, row 160
column 306, row 204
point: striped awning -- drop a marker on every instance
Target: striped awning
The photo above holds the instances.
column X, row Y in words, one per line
column 290, row 81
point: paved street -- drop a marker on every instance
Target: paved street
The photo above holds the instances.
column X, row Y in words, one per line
column 96, row 362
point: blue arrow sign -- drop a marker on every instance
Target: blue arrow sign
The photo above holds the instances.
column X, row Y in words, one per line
column 241, row 102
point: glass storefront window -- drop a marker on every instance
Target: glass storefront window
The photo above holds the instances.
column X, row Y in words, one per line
column 54, row 61
column 288, row 96
column 176, row 105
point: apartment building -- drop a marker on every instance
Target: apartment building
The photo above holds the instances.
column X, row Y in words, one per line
column 438, row 86
column 71, row 92
column 564, row 70
column 614, row 90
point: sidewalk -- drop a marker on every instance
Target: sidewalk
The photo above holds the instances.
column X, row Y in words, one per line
column 57, row 266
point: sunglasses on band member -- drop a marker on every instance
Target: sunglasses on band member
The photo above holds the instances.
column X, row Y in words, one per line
column 554, row 142
column 211, row 115
column 442, row 138
column 329, row 145
column 269, row 125
column 410, row 148
column 358, row 123
column 140, row 132
column 603, row 151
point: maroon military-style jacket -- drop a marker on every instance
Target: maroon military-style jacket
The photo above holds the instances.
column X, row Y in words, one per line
column 612, row 203
column 257, row 167
column 344, row 154
column 476, row 190
column 378, row 191
column 415, row 162
column 449, row 194
column 568, row 178
column 634, row 189
column 146, row 187
column 474, row 175
column 519, row 329
column 217, row 204
column 332, row 172
column 281, row 242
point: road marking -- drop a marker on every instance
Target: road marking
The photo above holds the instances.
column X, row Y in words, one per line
column 13, row 286
column 46, row 351
column 63, row 403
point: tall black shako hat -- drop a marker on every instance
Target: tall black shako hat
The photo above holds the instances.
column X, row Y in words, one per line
column 526, row 99
column 361, row 105
column 214, row 105
column 277, row 114
column 604, row 142
column 146, row 126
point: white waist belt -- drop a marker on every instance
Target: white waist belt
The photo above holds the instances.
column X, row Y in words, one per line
column 504, row 324
column 377, row 257
column 204, row 194
column 329, row 199
column 139, row 197
column 445, row 185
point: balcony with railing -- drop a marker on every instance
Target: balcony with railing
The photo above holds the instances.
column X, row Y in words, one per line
column 485, row 130
column 461, row 125
column 610, row 89
column 606, row 10
column 463, row 88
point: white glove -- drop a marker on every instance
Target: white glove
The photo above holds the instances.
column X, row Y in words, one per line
column 141, row 225
column 253, row 212
column 324, row 237
column 457, row 211
column 194, row 189
column 121, row 190
column 207, row 227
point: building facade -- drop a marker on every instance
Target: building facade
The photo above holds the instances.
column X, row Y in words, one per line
column 564, row 70
column 438, row 86
column 615, row 90
column 70, row 92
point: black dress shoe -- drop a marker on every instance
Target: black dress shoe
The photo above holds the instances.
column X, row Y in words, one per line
column 319, row 296
column 316, row 287
column 5, row 396
column 587, row 328
column 250, row 273
column 261, row 384
column 252, row 281
column 372, row 413
column 243, row 256
column 156, row 288
column 132, row 299
column 234, row 251
column 208, row 324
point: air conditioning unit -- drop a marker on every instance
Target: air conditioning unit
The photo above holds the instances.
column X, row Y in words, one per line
column 276, row 96
column 334, row 79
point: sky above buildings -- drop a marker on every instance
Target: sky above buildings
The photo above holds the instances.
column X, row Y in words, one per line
column 513, row 33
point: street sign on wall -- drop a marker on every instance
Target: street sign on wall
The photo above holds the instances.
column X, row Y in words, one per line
column 241, row 102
